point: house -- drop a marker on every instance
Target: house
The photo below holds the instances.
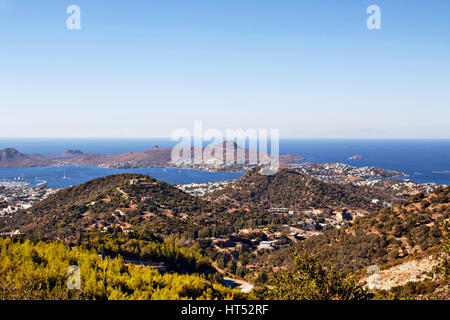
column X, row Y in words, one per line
column 300, row 237
column 160, row 266
column 134, row 182
column 323, row 226
column 265, row 245
column 279, row 210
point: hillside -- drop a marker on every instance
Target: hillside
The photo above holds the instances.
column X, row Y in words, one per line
column 385, row 236
column 423, row 275
column 151, row 157
column 406, row 270
column 118, row 201
column 10, row 157
column 127, row 202
column 291, row 189
column 148, row 249
column 68, row 154
column 38, row 271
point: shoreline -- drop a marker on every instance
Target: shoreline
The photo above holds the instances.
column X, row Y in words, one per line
column 173, row 170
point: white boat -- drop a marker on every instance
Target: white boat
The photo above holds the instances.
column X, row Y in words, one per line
column 65, row 177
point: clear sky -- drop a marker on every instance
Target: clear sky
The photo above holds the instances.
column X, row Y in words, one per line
column 145, row 68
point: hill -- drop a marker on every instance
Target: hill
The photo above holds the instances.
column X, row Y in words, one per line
column 151, row 157
column 10, row 157
column 293, row 190
column 118, row 201
column 378, row 238
column 127, row 203
column 68, row 154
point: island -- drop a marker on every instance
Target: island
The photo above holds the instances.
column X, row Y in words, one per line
column 356, row 157
column 233, row 159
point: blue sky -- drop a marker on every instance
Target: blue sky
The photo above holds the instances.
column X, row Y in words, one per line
column 145, row 68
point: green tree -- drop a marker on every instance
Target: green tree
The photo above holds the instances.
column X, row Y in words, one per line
column 308, row 279
column 443, row 269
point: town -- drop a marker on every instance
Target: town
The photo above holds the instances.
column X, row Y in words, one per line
column 20, row 195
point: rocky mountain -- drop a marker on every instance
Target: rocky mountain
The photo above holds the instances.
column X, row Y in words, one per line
column 10, row 157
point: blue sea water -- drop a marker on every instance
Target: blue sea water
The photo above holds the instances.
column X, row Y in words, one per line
column 54, row 175
column 420, row 159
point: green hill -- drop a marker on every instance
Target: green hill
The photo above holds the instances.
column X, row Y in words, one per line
column 291, row 189
column 382, row 237
column 128, row 203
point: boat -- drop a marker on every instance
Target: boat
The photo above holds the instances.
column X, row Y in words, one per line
column 20, row 178
column 65, row 177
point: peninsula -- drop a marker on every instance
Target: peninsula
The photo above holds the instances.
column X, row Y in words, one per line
column 234, row 158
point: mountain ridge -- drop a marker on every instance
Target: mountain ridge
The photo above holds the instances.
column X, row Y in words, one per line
column 10, row 157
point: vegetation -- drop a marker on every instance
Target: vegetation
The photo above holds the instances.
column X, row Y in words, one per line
column 129, row 203
column 175, row 258
column 443, row 269
column 39, row 271
column 308, row 279
column 291, row 189
column 380, row 237
column 112, row 223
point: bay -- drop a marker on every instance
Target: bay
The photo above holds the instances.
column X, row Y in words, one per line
column 424, row 160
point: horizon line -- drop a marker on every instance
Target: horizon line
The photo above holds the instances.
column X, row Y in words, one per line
column 281, row 138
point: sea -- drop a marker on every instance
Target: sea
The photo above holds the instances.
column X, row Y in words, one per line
column 423, row 160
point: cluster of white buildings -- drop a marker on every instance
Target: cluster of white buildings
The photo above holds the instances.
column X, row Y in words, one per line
column 201, row 189
column 15, row 196
column 340, row 172
column 403, row 185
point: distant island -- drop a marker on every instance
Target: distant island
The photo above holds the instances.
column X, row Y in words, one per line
column 237, row 159
column 356, row 157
